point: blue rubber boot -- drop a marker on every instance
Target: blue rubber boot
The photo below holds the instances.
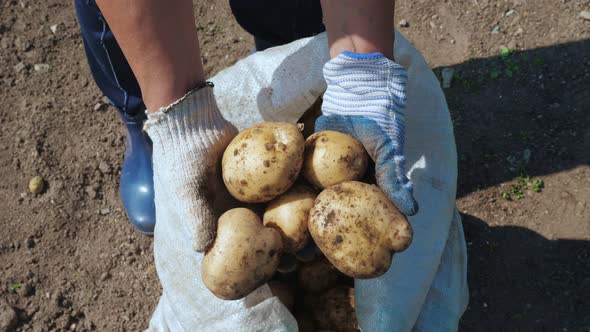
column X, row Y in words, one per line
column 137, row 178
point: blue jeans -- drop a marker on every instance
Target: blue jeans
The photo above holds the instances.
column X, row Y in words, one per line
column 271, row 22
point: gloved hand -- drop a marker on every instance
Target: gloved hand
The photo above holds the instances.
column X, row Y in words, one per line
column 365, row 98
column 189, row 138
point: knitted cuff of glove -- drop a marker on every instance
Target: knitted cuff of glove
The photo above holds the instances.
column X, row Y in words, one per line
column 194, row 115
column 364, row 84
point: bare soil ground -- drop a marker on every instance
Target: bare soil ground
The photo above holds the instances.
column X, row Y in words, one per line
column 70, row 260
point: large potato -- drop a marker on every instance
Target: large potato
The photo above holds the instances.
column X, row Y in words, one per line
column 263, row 161
column 244, row 255
column 332, row 157
column 288, row 214
column 358, row 228
column 334, row 310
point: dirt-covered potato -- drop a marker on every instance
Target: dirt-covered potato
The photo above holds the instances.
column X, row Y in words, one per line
column 334, row 310
column 358, row 228
column 288, row 214
column 263, row 161
column 317, row 276
column 283, row 292
column 332, row 157
column 244, row 255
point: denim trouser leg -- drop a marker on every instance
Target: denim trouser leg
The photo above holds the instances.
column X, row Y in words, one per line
column 274, row 23
column 106, row 60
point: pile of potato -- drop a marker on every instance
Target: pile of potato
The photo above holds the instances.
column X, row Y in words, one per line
column 312, row 196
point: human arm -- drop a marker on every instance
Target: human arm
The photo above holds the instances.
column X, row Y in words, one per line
column 189, row 134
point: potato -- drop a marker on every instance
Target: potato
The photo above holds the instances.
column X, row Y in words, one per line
column 283, row 292
column 335, row 310
column 36, row 185
column 288, row 214
column 263, row 161
column 244, row 255
column 332, row 157
column 358, row 228
column 317, row 276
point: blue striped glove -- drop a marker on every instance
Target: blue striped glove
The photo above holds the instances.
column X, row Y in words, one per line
column 366, row 98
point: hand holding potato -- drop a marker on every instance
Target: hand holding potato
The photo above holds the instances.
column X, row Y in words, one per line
column 366, row 99
column 354, row 224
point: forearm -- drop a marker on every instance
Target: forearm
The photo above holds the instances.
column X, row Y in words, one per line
column 361, row 26
column 160, row 43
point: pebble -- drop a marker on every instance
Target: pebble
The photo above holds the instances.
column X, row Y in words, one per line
column 105, row 276
column 404, row 23
column 97, row 107
column 496, row 29
column 585, row 14
column 91, row 192
column 510, row 12
column 22, row 45
column 41, row 67
column 447, row 77
column 53, row 28
column 104, row 167
column 526, row 155
column 8, row 317
column 36, row 185
column 30, row 242
column 104, row 212
column 5, row 43
column 20, row 67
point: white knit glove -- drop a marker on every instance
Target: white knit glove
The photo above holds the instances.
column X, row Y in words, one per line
column 189, row 138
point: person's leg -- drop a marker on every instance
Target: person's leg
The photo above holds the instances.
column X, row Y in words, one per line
column 274, row 23
column 107, row 63
column 159, row 40
column 117, row 82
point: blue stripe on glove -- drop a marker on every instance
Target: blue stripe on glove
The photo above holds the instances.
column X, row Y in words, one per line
column 366, row 99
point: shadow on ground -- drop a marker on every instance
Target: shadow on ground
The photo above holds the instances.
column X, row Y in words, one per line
column 523, row 113
column 521, row 281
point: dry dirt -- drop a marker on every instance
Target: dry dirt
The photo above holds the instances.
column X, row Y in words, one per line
column 69, row 259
